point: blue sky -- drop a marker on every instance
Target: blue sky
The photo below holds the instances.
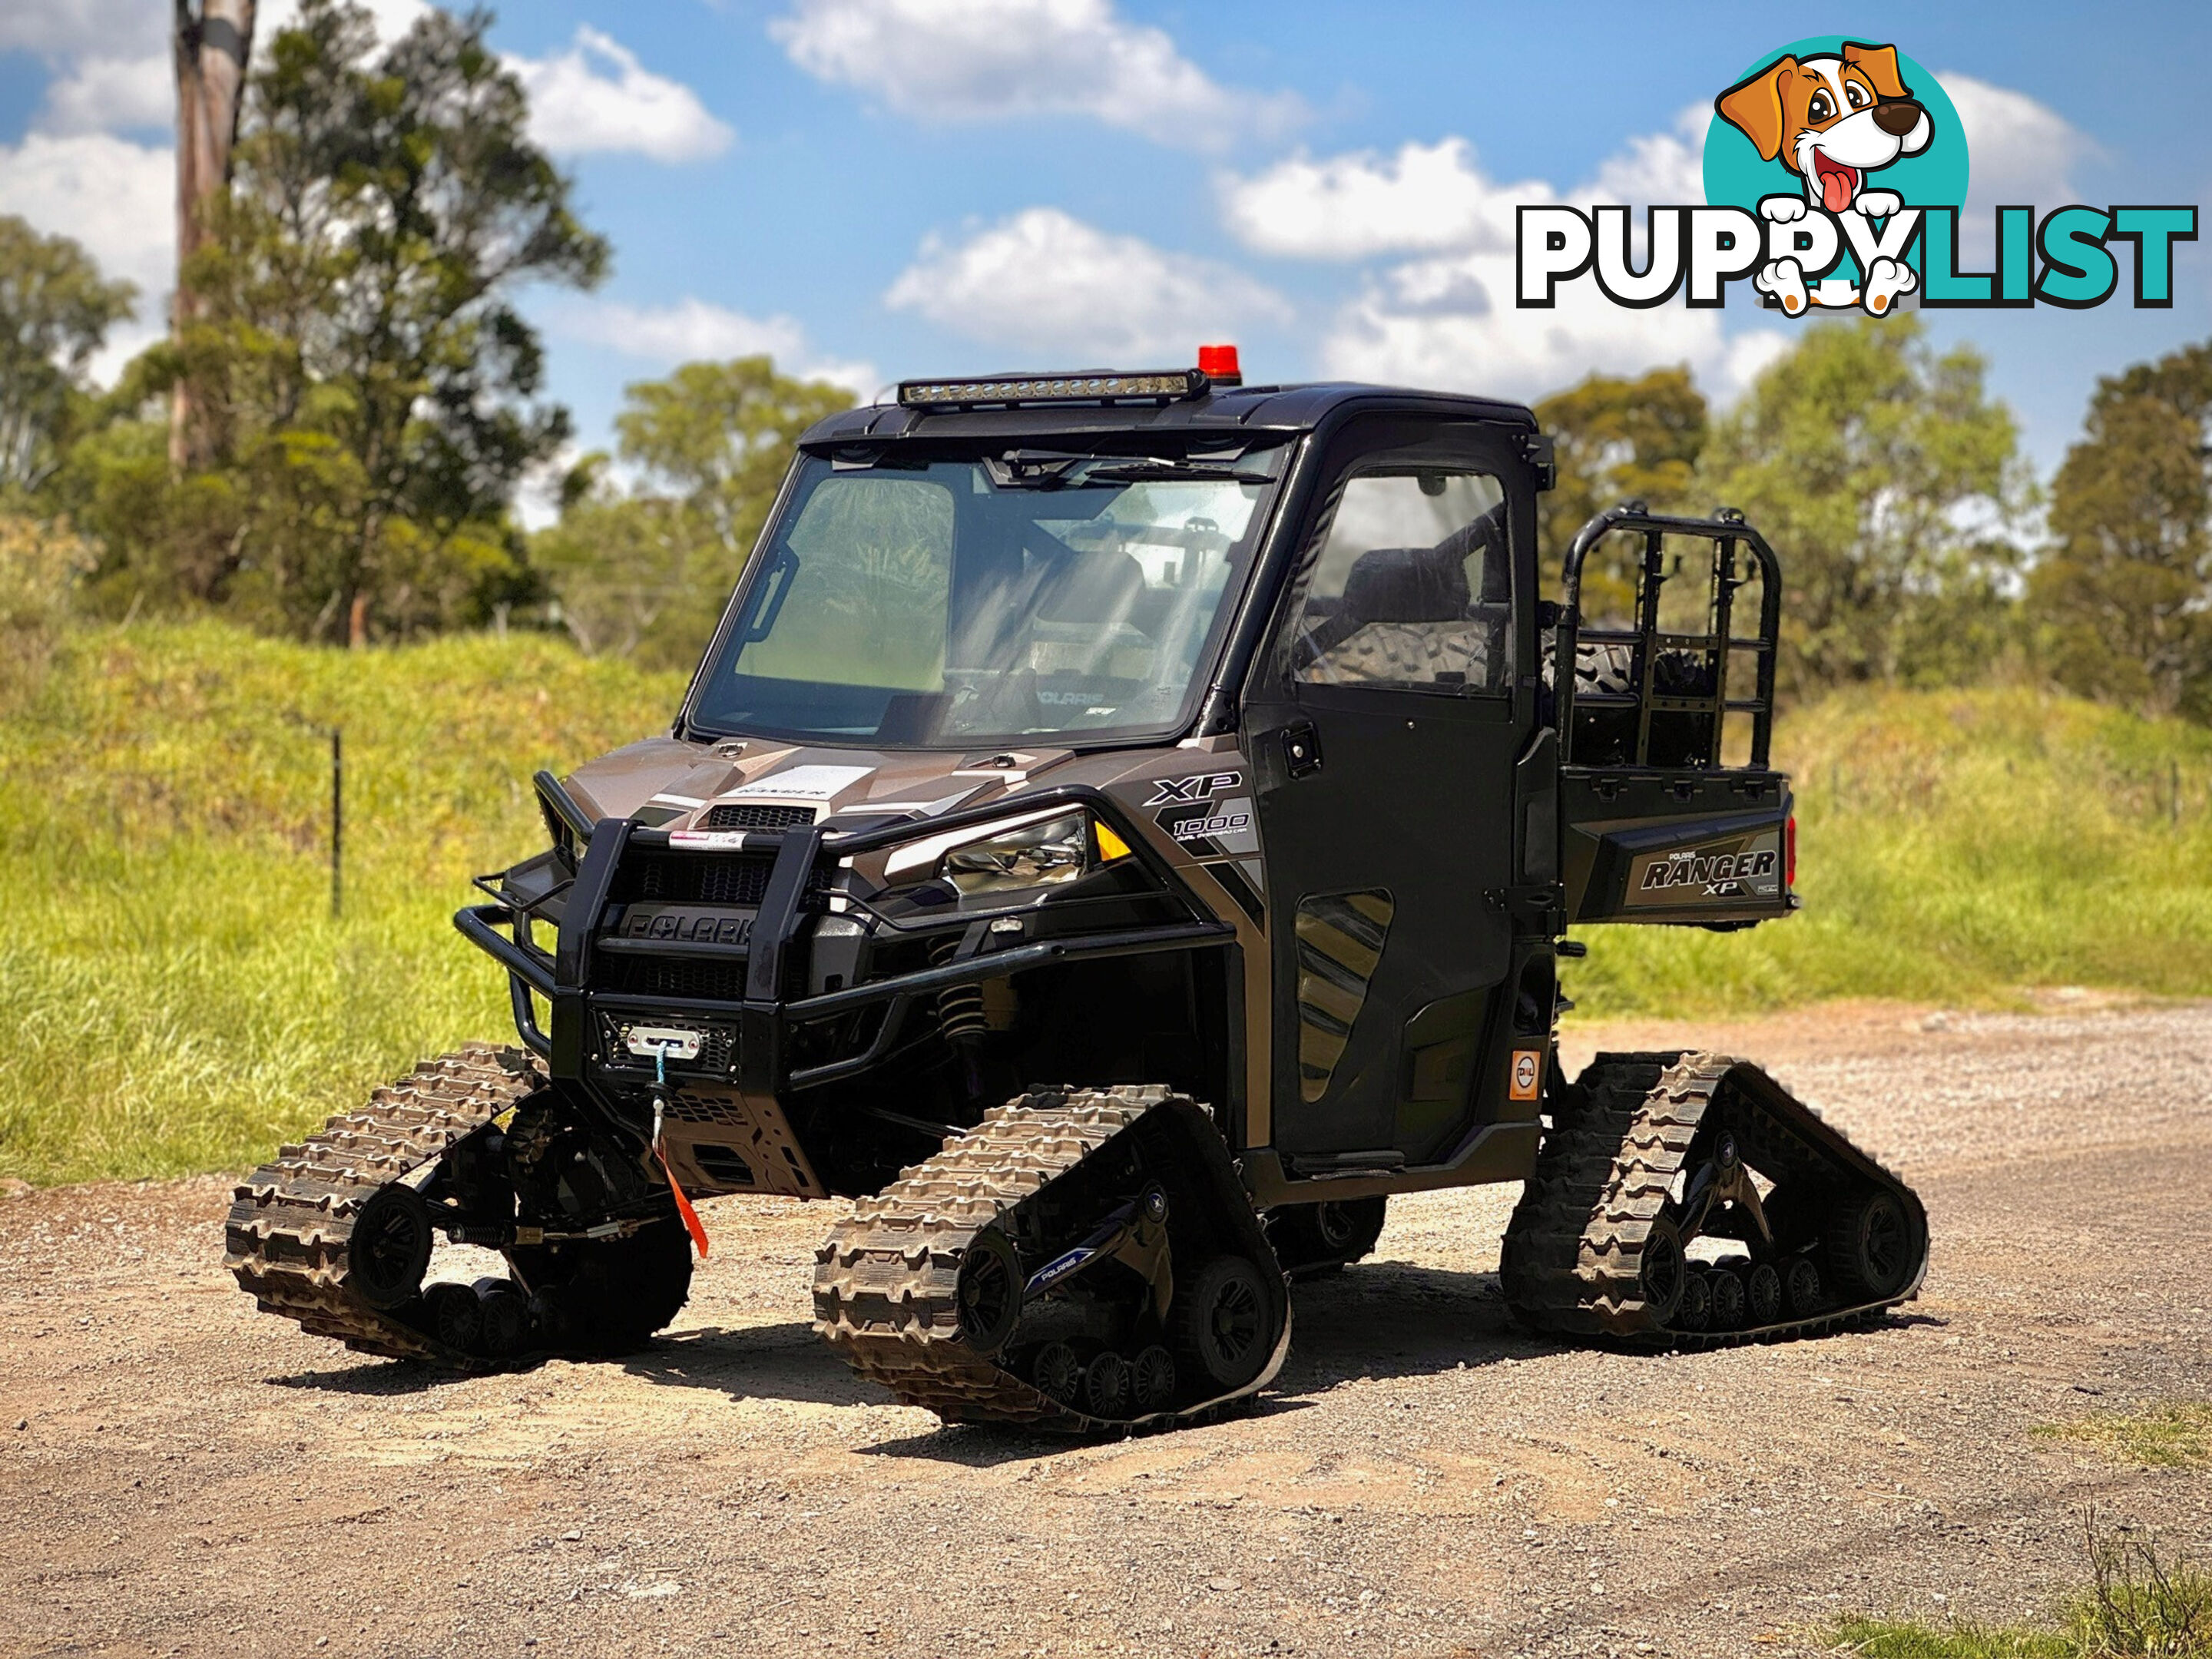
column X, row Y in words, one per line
column 872, row 188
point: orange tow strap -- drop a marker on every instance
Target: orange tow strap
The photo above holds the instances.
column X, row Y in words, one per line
column 692, row 1225
column 691, row 1222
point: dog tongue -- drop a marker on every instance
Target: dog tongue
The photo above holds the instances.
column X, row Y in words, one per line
column 1835, row 189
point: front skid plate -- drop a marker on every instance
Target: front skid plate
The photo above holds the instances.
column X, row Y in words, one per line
column 886, row 1282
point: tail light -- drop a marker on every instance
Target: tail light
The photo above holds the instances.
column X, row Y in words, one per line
column 1789, row 854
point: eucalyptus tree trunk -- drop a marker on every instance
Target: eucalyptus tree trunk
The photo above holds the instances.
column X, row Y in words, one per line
column 211, row 46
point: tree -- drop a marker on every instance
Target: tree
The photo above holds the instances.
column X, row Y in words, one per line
column 1891, row 485
column 1617, row 439
column 55, row 313
column 647, row 573
column 368, row 391
column 211, row 49
column 2120, row 602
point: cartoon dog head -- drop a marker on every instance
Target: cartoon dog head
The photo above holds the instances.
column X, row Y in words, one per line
column 1832, row 120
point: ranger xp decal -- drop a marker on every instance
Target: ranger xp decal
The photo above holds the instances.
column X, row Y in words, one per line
column 1737, row 867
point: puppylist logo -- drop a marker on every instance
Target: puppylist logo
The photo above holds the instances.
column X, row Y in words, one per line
column 1835, row 174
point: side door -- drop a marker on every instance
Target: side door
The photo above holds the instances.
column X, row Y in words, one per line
column 1385, row 718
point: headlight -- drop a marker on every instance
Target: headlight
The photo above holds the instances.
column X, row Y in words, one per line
column 1033, row 855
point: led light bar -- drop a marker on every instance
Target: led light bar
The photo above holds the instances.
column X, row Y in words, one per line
column 1010, row 390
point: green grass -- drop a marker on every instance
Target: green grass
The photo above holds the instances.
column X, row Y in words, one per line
column 2148, row 1608
column 1956, row 848
column 1892, row 1638
column 178, row 998
column 2145, row 1601
column 2176, row 1434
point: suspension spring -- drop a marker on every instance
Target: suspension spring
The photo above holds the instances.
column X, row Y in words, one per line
column 959, row 1007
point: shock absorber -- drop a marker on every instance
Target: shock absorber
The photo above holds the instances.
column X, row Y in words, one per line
column 960, row 1017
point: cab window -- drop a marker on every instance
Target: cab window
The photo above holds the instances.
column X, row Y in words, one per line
column 1412, row 588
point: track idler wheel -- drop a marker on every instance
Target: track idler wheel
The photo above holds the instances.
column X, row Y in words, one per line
column 456, row 1317
column 991, row 1286
column 1222, row 1322
column 1728, row 1299
column 1762, row 1292
column 1801, row 1286
column 1106, row 1385
column 1057, row 1372
column 1694, row 1312
column 390, row 1248
column 506, row 1314
column 1868, row 1246
column 1152, row 1379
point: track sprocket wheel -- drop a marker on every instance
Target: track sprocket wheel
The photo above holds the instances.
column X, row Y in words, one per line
column 1221, row 1321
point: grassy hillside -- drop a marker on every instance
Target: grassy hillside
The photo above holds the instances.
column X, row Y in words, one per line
column 178, row 998
column 1955, row 846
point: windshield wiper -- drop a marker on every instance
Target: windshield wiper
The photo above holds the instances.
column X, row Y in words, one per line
column 1147, row 471
column 1040, row 469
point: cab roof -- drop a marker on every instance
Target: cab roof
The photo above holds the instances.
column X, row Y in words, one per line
column 1224, row 410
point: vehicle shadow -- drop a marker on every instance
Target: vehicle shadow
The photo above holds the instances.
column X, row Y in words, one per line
column 1394, row 1319
column 1378, row 1319
column 785, row 1361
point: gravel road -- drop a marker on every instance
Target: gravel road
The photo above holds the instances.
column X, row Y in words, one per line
column 178, row 1475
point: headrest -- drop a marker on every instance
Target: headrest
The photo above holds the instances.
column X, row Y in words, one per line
column 1092, row 587
column 1486, row 535
column 1406, row 585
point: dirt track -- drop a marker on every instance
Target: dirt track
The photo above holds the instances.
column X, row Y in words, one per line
column 178, row 1475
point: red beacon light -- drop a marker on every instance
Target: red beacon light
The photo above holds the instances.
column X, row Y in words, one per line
column 1219, row 364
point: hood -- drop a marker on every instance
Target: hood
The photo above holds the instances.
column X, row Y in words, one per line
column 667, row 782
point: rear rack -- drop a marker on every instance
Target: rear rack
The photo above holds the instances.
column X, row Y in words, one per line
column 1708, row 696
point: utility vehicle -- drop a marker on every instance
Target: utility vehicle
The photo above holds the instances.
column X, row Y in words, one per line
column 1125, row 829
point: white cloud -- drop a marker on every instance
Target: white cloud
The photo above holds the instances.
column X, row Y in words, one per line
column 597, row 96
column 1662, row 167
column 2017, row 149
column 1347, row 207
column 993, row 59
column 1044, row 282
column 392, row 18
column 116, row 198
column 1450, row 324
column 63, row 28
column 101, row 94
column 692, row 330
column 1431, row 197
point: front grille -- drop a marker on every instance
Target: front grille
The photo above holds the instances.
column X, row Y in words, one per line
column 698, row 877
column 717, row 1043
column 758, row 818
column 670, row 976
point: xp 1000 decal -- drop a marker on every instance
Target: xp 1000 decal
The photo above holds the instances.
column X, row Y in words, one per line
column 1725, row 871
column 1209, row 812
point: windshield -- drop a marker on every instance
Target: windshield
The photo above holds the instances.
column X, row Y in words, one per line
column 1020, row 595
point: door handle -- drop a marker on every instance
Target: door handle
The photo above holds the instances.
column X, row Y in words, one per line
column 1301, row 750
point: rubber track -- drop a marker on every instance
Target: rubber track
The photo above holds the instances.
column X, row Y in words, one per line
column 1573, row 1259
column 885, row 1282
column 290, row 1222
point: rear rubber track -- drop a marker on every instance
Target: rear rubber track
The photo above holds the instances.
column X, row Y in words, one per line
column 1572, row 1260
